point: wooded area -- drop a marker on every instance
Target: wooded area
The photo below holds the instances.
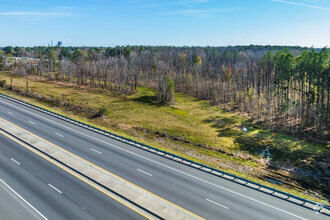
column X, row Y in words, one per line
column 283, row 88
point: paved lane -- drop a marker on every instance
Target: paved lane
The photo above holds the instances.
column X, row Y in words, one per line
column 49, row 189
column 13, row 206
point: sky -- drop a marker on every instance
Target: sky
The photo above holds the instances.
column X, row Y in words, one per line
column 165, row 22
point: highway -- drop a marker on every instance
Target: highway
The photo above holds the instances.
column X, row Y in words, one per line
column 37, row 189
column 203, row 194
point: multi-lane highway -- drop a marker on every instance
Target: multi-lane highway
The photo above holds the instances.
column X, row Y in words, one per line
column 205, row 195
column 31, row 187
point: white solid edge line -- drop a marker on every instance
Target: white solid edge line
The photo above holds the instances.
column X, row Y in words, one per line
column 15, row 161
column 54, row 188
column 59, row 134
column 19, row 196
column 32, row 122
column 144, row 172
column 86, row 135
column 96, row 151
column 217, row 203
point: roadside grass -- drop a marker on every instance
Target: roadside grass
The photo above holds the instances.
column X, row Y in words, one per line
column 190, row 128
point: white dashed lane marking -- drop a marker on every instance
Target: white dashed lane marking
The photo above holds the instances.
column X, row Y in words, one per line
column 218, row 204
column 59, row 135
column 15, row 161
column 144, row 172
column 96, row 151
column 54, row 188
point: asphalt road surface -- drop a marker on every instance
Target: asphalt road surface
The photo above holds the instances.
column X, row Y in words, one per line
column 33, row 188
column 205, row 195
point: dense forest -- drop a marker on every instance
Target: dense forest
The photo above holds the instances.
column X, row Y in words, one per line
column 286, row 89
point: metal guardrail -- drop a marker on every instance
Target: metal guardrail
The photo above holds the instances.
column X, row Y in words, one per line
column 321, row 208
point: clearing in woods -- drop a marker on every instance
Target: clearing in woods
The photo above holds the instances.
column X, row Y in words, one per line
column 190, row 128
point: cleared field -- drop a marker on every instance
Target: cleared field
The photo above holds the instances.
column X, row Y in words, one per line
column 190, row 128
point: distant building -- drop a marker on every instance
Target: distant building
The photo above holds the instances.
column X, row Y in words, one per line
column 59, row 44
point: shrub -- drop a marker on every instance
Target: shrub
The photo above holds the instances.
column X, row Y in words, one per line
column 100, row 112
column 3, row 83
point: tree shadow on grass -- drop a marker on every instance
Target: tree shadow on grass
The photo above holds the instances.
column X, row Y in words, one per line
column 228, row 132
column 220, row 121
column 152, row 100
column 225, row 126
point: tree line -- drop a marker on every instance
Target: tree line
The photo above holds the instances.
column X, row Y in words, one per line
column 283, row 88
